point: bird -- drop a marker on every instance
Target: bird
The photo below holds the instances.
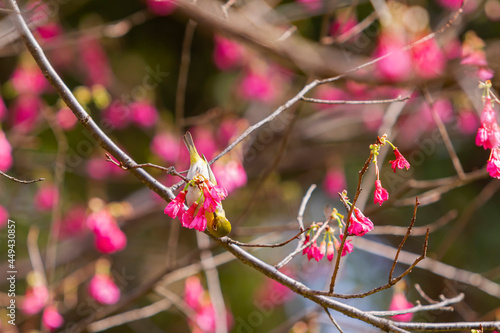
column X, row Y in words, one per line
column 217, row 223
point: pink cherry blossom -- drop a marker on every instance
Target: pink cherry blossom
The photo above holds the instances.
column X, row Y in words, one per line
column 108, row 236
column 112, row 241
column 188, row 215
column 66, row 118
column 193, row 292
column 322, row 248
column 231, row 175
column 73, row 222
column 5, row 153
column 306, row 249
column 35, row 299
column 256, row 86
column 493, row 166
column 4, row 217
column 488, row 135
column 334, row 182
column 161, row 7
column 399, row 302
column 428, row 59
column 175, row 208
column 316, row 252
column 360, row 224
column 330, row 251
column 46, row 198
column 103, row 289
column 200, row 221
column 400, row 162
column 49, row 30
column 95, row 62
column 467, row 121
column 118, row 115
column 29, row 80
column 166, row 146
column 397, row 66
column 51, row 318
column 26, row 110
column 343, row 24
column 227, row 54
column 380, row 194
column 348, row 247
column 144, row 114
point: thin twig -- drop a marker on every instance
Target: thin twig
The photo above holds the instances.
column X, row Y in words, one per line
column 423, row 294
column 334, row 322
column 380, row 101
column 441, row 306
column 348, row 222
column 170, row 170
column 413, row 219
column 21, row 181
column 34, row 253
column 444, row 134
column 129, row 316
column 269, row 245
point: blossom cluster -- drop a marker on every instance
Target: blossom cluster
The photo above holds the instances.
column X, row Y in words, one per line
column 359, row 226
column 381, row 194
column 488, row 134
column 38, row 298
column 210, row 196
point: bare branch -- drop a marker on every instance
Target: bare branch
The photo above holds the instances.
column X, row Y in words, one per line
column 21, row 181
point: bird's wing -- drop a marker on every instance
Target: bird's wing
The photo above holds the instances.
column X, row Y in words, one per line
column 210, row 173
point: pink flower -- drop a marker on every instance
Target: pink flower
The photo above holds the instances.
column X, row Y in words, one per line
column 118, row 115
column 66, row 118
column 112, row 241
column 35, row 299
column 334, row 182
column 29, row 80
column 188, row 215
column 257, row 87
column 467, row 121
column 46, row 198
column 397, row 66
column 144, row 114
column 348, row 247
column 428, row 59
column 343, row 24
column 4, row 217
column 316, row 252
column 360, row 224
column 228, row 54
column 380, row 194
column 200, row 221
column 231, row 175
column 103, row 289
column 49, row 30
column 330, row 252
column 193, row 292
column 5, row 153
column 73, row 223
column 96, row 67
column 306, row 249
column 51, row 318
column 488, row 135
column 400, row 162
column 161, row 7
column 165, row 146
column 3, row 109
column 399, row 302
column 322, row 248
column 25, row 112
column 493, row 166
column 175, row 208
column 108, row 236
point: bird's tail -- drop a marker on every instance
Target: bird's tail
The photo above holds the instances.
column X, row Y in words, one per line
column 193, row 153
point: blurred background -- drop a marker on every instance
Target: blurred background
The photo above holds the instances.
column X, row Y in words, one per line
column 147, row 71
